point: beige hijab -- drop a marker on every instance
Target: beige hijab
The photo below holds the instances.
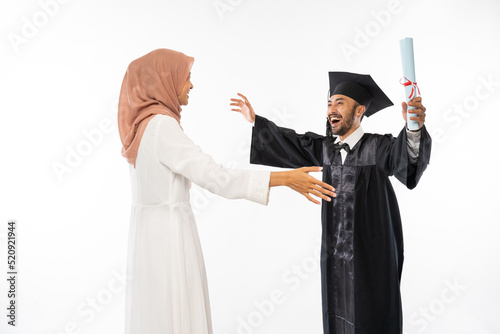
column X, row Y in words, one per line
column 151, row 86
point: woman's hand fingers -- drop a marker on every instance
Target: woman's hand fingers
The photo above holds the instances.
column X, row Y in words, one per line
column 320, row 194
column 311, row 169
column 324, row 186
column 320, row 185
column 324, row 191
column 311, row 199
column 309, row 186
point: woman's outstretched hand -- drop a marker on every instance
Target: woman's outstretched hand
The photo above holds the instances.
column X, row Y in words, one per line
column 303, row 183
column 244, row 107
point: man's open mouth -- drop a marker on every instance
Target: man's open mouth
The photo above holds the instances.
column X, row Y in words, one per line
column 334, row 119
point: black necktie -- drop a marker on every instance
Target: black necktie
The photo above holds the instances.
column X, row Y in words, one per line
column 338, row 146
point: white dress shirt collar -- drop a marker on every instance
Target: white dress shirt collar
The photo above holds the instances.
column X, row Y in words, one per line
column 353, row 138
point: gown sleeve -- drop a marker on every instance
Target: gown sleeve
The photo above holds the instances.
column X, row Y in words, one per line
column 393, row 158
column 282, row 147
column 177, row 152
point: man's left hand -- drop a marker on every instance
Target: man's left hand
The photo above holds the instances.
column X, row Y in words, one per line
column 419, row 112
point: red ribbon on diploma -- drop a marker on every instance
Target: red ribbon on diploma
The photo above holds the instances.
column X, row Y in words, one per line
column 414, row 87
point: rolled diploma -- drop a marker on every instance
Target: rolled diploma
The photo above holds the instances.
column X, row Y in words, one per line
column 407, row 58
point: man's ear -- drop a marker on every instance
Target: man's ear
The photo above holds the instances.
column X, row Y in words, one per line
column 360, row 110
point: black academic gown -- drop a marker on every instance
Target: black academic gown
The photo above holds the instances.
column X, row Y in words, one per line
column 362, row 239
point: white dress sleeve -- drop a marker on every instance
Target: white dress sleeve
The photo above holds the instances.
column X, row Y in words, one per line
column 177, row 152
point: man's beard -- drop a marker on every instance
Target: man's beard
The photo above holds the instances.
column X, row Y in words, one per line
column 347, row 123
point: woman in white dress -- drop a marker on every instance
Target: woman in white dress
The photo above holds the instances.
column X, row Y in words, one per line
column 167, row 286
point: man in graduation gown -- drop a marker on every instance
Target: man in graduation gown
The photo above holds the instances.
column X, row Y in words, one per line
column 362, row 240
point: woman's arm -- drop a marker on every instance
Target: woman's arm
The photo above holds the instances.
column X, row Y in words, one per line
column 177, row 152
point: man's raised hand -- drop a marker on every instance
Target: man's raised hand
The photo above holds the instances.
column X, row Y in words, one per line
column 244, row 107
column 419, row 112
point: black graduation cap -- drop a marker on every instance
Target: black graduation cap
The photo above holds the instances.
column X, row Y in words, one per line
column 361, row 88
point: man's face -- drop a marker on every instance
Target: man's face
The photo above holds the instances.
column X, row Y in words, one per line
column 341, row 114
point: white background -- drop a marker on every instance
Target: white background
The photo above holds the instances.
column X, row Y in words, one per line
column 61, row 69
